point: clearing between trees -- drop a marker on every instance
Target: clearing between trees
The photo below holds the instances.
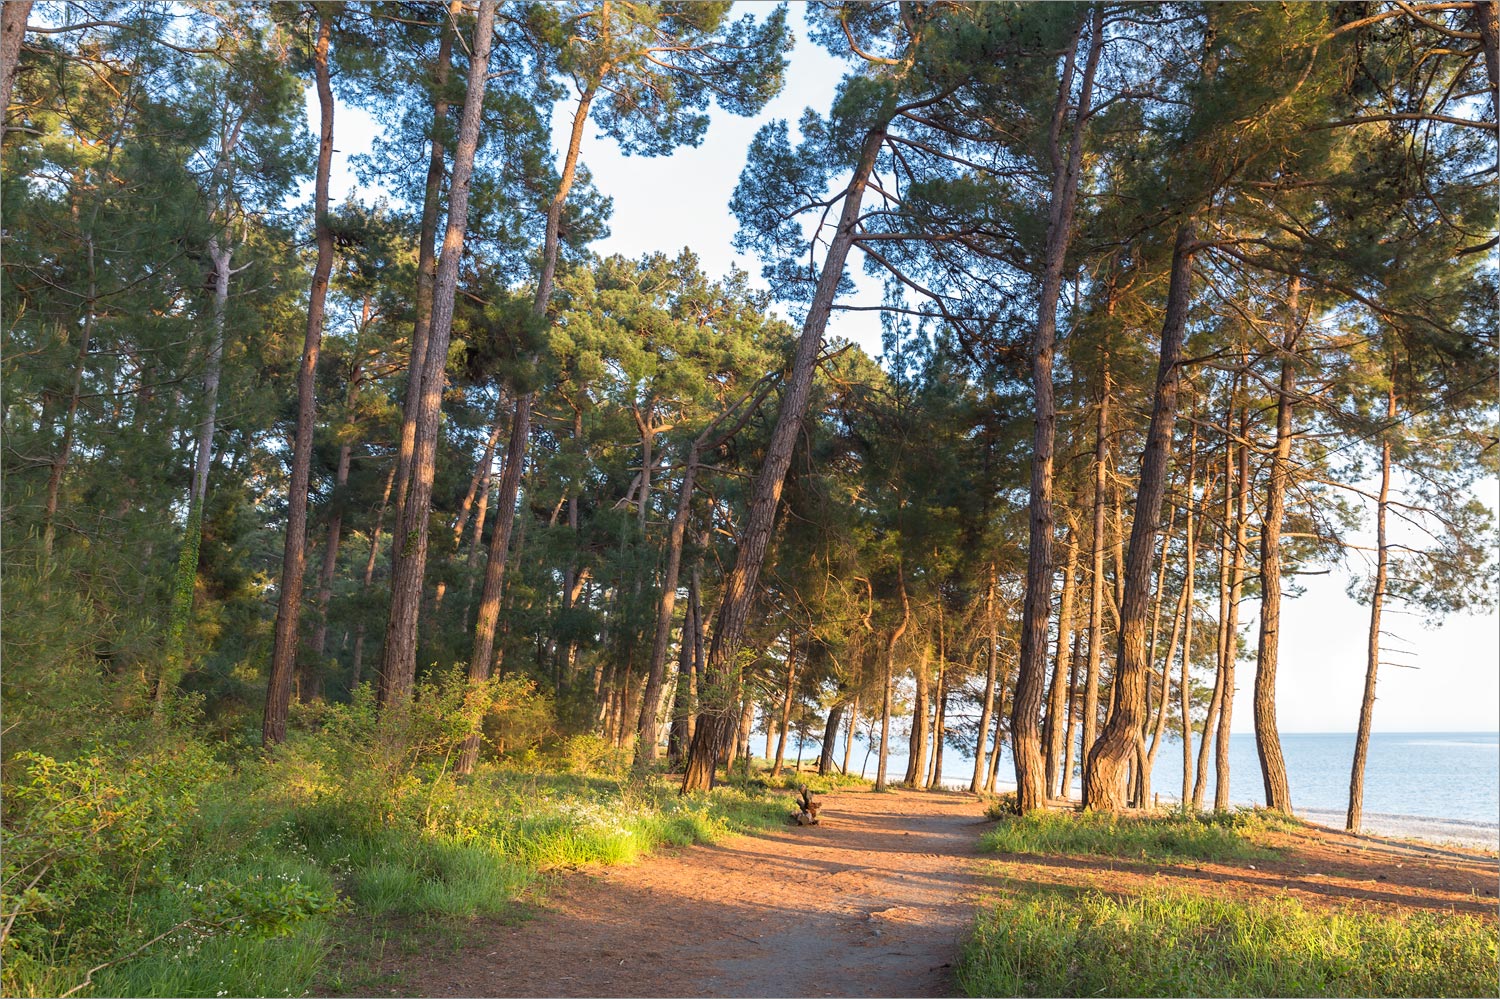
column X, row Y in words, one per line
column 880, row 899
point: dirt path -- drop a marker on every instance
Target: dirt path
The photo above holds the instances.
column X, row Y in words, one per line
column 873, row 902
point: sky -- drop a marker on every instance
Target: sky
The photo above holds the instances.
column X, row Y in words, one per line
column 1452, row 680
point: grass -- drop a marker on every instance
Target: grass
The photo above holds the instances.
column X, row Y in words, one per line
column 1172, row 942
column 1175, row 836
column 247, row 897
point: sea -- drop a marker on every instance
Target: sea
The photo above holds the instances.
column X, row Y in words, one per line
column 1438, row 786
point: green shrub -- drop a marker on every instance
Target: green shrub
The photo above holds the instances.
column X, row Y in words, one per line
column 1171, row 942
column 1174, row 836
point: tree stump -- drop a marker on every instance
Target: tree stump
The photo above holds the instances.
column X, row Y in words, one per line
column 807, row 813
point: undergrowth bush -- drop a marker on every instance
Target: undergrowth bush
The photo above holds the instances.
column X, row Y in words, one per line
column 1174, row 942
column 184, row 873
column 1173, row 836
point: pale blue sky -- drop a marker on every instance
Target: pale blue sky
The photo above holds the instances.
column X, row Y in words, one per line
column 682, row 201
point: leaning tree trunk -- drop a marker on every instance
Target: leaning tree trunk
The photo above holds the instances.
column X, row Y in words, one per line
column 739, row 584
column 1106, row 759
column 1025, row 728
column 977, row 783
column 294, row 555
column 1267, row 739
column 1377, row 602
column 399, row 667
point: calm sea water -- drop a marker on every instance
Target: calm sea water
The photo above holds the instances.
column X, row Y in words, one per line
column 1436, row 775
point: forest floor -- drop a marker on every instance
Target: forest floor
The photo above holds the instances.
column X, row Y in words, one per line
column 875, row 901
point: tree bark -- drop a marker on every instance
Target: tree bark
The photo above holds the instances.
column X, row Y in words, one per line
column 13, row 15
column 1069, row 741
column 369, row 576
column 1096, row 581
column 916, row 745
column 400, row 653
column 426, row 277
column 739, row 584
column 294, row 555
column 1231, row 638
column 985, row 713
column 1184, row 679
column 1025, row 733
column 786, row 707
column 1057, row 696
column 830, row 738
column 1267, row 739
column 885, row 696
column 1377, row 602
column 1223, row 638
column 1106, row 760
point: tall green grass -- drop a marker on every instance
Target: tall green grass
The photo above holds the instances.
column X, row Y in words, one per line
column 229, row 882
column 1172, row 942
column 1172, row 837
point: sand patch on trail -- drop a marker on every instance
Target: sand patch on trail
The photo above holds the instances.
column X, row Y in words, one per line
column 875, row 901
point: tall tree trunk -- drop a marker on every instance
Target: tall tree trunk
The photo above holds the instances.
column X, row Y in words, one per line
column 830, row 738
column 1025, row 733
column 645, row 747
column 1070, row 739
column 1486, row 18
column 1096, row 580
column 515, row 453
column 311, row 664
column 1222, row 636
column 1267, row 739
column 849, row 733
column 479, row 481
column 987, row 710
column 940, row 711
column 1377, row 602
column 739, row 584
column 13, row 15
column 1184, row 679
column 400, row 653
column 686, row 697
column 294, row 556
column 426, row 277
column 786, row 707
column 369, row 576
column 1057, row 696
column 888, row 676
column 1106, row 760
column 916, row 752
column 1231, row 637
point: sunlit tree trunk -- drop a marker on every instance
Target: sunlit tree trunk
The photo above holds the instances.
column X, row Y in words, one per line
column 426, row 275
column 1236, row 588
column 1096, row 572
column 13, row 15
column 739, row 583
column 1025, row 732
column 1377, row 602
column 992, row 624
column 1101, row 775
column 294, row 556
column 1267, row 739
column 400, row 653
column 786, row 707
column 888, row 676
column 1057, row 697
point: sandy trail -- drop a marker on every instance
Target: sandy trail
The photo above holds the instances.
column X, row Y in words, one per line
column 873, row 902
